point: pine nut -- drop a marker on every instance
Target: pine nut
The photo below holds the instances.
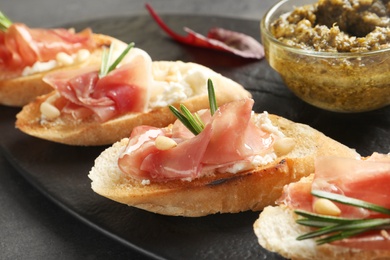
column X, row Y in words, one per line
column 49, row 111
column 284, row 145
column 64, row 59
column 82, row 55
column 326, row 207
column 164, row 143
column 53, row 97
column 385, row 234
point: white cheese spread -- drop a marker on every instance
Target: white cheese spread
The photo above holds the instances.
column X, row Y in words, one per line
column 175, row 86
column 62, row 59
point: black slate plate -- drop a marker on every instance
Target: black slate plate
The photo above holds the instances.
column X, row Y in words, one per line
column 60, row 171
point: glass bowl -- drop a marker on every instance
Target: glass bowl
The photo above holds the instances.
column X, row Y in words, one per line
column 335, row 81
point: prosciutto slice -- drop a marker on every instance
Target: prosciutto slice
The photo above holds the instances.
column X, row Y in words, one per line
column 123, row 90
column 361, row 179
column 227, row 138
column 234, row 135
column 366, row 180
column 141, row 136
column 21, row 46
column 181, row 162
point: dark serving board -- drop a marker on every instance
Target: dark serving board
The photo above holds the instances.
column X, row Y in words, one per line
column 60, row 171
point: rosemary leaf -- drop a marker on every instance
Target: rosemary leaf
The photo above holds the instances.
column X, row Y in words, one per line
column 199, row 120
column 312, row 223
column 340, row 236
column 120, row 58
column 212, row 98
column 5, row 22
column 183, row 119
column 322, row 218
column 350, row 201
column 191, row 119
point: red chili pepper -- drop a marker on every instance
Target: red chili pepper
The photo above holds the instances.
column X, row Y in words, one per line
column 217, row 38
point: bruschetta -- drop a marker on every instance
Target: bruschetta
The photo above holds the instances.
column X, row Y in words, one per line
column 240, row 161
column 28, row 54
column 86, row 110
column 332, row 214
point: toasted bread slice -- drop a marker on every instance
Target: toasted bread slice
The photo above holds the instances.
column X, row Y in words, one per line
column 22, row 90
column 220, row 193
column 88, row 133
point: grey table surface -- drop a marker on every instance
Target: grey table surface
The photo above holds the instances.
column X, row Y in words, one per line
column 31, row 225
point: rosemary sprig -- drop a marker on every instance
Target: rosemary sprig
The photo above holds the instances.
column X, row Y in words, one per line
column 353, row 225
column 188, row 119
column 341, row 236
column 331, row 229
column 106, row 57
column 5, row 22
column 192, row 121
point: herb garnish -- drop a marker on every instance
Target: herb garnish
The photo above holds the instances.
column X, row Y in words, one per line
column 104, row 66
column 331, row 229
column 212, row 98
column 5, row 22
column 192, row 121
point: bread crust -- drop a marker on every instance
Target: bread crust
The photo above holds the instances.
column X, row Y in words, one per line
column 276, row 231
column 17, row 92
column 221, row 193
column 94, row 133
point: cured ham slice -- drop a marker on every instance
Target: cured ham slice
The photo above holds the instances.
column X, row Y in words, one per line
column 125, row 89
column 361, row 179
column 234, row 135
column 181, row 162
column 365, row 180
column 141, row 137
column 297, row 195
column 227, row 138
column 21, row 46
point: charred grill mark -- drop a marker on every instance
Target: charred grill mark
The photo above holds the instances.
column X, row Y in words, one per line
column 224, row 180
column 279, row 167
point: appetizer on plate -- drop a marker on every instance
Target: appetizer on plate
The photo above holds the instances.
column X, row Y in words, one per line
column 342, row 211
column 225, row 159
column 101, row 105
column 28, row 54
